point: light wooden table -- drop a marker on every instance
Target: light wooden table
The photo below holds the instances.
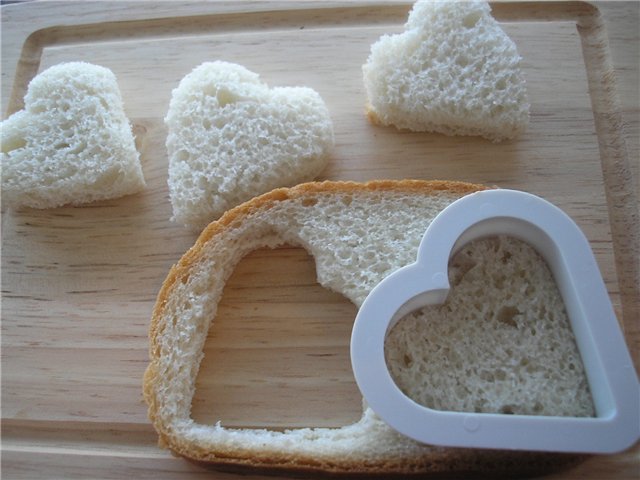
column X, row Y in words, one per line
column 78, row 284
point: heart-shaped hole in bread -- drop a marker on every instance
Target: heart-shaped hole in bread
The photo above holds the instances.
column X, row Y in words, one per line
column 278, row 339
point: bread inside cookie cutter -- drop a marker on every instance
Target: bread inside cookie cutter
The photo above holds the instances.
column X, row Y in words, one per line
column 608, row 365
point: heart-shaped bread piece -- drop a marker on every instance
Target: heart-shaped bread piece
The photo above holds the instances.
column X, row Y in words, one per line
column 516, row 307
column 231, row 137
column 453, row 71
column 72, row 143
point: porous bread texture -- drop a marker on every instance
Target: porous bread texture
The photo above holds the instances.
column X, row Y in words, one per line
column 231, row 137
column 72, row 143
column 357, row 234
column 514, row 354
column 452, row 71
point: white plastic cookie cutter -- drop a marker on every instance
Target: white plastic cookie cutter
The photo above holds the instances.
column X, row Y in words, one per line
column 610, row 371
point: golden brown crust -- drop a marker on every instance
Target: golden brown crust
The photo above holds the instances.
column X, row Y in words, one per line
column 263, row 201
column 437, row 462
column 480, row 464
column 372, row 116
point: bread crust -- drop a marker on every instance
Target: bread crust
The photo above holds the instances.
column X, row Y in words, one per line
column 237, row 214
column 481, row 465
column 436, row 462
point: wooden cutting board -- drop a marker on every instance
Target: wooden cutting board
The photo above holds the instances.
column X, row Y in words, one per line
column 78, row 284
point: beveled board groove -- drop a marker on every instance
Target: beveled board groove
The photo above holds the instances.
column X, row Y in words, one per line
column 78, row 284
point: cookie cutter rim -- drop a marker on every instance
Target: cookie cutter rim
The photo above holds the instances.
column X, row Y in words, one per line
column 610, row 372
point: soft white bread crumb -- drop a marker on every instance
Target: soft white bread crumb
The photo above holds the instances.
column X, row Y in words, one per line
column 231, row 137
column 453, row 71
column 72, row 143
column 357, row 234
column 498, row 342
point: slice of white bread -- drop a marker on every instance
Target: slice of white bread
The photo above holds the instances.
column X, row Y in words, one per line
column 357, row 234
column 72, row 143
column 231, row 137
column 452, row 71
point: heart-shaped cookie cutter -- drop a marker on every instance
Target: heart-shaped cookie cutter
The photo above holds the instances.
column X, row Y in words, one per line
column 609, row 368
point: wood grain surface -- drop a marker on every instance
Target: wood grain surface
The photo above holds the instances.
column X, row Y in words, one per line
column 78, row 284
